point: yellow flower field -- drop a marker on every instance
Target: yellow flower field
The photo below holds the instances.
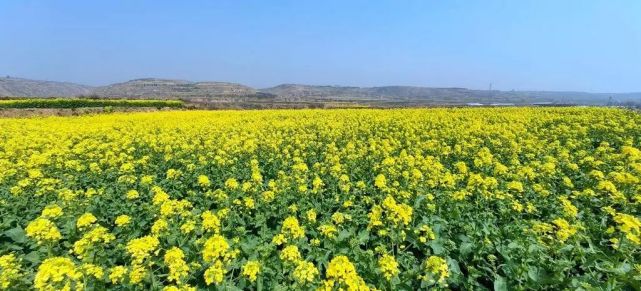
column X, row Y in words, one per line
column 402, row 199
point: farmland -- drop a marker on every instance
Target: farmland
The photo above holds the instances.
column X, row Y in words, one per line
column 84, row 102
column 359, row 199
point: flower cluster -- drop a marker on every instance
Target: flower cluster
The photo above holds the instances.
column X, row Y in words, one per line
column 43, row 230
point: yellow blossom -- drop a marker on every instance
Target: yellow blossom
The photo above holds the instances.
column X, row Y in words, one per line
column 142, row 248
column 52, row 211
column 85, row 220
column 388, row 266
column 122, row 220
column 117, row 274
column 9, row 271
column 57, row 273
column 305, row 272
column 437, row 269
column 178, row 268
column 43, row 230
column 290, row 254
column 251, row 269
column 203, row 181
column 132, row 194
column 215, row 273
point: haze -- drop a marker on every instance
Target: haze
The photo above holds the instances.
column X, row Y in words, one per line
column 592, row 46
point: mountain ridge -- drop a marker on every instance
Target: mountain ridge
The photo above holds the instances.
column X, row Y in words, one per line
column 289, row 92
column 20, row 87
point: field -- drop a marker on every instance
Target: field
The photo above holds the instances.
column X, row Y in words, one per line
column 82, row 103
column 359, row 199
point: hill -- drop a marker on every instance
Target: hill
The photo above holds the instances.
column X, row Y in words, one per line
column 166, row 88
column 18, row 87
column 306, row 95
column 431, row 95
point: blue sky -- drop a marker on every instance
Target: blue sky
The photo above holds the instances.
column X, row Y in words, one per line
column 524, row 45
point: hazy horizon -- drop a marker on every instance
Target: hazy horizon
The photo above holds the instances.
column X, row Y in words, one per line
column 312, row 84
column 587, row 46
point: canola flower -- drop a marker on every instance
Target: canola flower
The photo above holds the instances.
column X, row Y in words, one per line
column 342, row 272
column 328, row 230
column 251, row 270
column 564, row 229
column 178, row 268
column 52, row 211
column 57, row 273
column 132, row 194
column 292, row 229
column 137, row 273
column 122, row 220
column 215, row 248
column 323, row 199
column 211, row 222
column 85, row 221
column 97, row 236
column 179, row 288
column 279, row 239
column 9, row 271
column 159, row 227
column 436, row 269
column 388, row 266
column 630, row 226
column 142, row 248
column 215, row 273
column 203, row 181
column 290, row 254
column 305, row 272
column 117, row 274
column 91, row 270
column 311, row 215
column 188, row 227
column 426, row 233
column 43, row 231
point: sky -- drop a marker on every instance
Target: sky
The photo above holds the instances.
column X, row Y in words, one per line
column 569, row 45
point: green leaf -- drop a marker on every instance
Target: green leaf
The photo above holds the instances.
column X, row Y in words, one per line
column 437, row 246
column 363, row 236
column 344, row 234
column 454, row 266
column 14, row 247
column 500, row 284
column 16, row 234
column 623, row 268
column 466, row 248
column 33, row 257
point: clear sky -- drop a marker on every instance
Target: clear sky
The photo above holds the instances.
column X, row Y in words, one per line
column 585, row 45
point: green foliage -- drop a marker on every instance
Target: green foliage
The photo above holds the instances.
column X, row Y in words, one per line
column 80, row 103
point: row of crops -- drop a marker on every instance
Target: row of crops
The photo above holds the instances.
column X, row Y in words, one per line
column 82, row 103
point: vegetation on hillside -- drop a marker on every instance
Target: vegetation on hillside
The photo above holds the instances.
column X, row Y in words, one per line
column 81, row 103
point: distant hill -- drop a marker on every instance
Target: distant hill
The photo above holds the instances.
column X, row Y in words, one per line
column 18, row 87
column 207, row 92
column 293, row 92
column 431, row 95
column 164, row 88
